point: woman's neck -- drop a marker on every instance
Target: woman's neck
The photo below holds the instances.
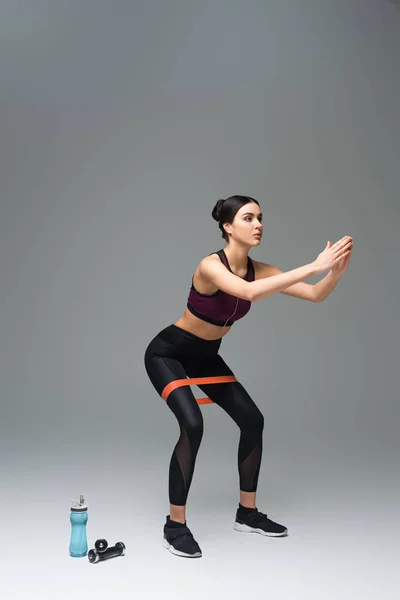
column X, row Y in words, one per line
column 237, row 257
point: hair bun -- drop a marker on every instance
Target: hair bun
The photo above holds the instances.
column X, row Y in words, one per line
column 216, row 213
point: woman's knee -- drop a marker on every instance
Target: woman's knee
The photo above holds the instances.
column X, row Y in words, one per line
column 254, row 422
column 257, row 421
column 260, row 421
column 194, row 428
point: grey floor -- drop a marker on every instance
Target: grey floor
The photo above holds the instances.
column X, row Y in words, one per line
column 342, row 519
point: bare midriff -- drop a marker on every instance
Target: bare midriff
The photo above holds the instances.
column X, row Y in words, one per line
column 201, row 328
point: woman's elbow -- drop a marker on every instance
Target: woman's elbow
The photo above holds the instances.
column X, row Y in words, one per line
column 251, row 293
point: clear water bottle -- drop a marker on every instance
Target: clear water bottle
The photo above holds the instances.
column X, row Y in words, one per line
column 78, row 545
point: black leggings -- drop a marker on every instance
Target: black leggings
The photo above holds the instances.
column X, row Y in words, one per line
column 176, row 354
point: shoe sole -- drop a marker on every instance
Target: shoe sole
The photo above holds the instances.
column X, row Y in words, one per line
column 173, row 550
column 246, row 529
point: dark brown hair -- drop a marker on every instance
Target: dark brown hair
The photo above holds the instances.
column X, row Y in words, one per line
column 225, row 210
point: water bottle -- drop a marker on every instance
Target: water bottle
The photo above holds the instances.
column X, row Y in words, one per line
column 78, row 545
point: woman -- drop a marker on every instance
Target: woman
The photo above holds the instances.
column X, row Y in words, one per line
column 224, row 285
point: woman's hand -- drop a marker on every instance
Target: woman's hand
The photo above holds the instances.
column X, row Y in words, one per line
column 335, row 256
column 341, row 265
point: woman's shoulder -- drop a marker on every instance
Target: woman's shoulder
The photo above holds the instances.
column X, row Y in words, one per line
column 201, row 282
column 214, row 256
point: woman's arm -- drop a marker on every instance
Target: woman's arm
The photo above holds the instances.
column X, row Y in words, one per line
column 305, row 291
column 316, row 292
column 324, row 287
column 216, row 273
column 334, row 257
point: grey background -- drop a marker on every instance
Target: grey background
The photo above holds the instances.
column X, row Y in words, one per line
column 121, row 124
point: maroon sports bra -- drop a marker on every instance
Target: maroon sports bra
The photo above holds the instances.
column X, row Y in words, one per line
column 220, row 308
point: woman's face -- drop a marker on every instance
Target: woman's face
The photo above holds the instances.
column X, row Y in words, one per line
column 247, row 225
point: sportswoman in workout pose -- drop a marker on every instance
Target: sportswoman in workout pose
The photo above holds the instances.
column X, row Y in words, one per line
column 224, row 285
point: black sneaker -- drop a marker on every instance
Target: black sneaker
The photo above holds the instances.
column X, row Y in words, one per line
column 180, row 541
column 258, row 522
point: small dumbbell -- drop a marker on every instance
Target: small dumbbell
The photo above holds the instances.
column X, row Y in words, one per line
column 101, row 545
column 117, row 550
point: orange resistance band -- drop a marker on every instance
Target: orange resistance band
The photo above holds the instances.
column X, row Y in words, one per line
column 170, row 387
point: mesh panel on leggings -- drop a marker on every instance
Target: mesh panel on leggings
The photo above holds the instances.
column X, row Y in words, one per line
column 249, row 469
column 183, row 462
column 183, row 453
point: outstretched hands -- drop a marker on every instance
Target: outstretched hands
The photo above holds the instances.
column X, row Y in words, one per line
column 335, row 256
